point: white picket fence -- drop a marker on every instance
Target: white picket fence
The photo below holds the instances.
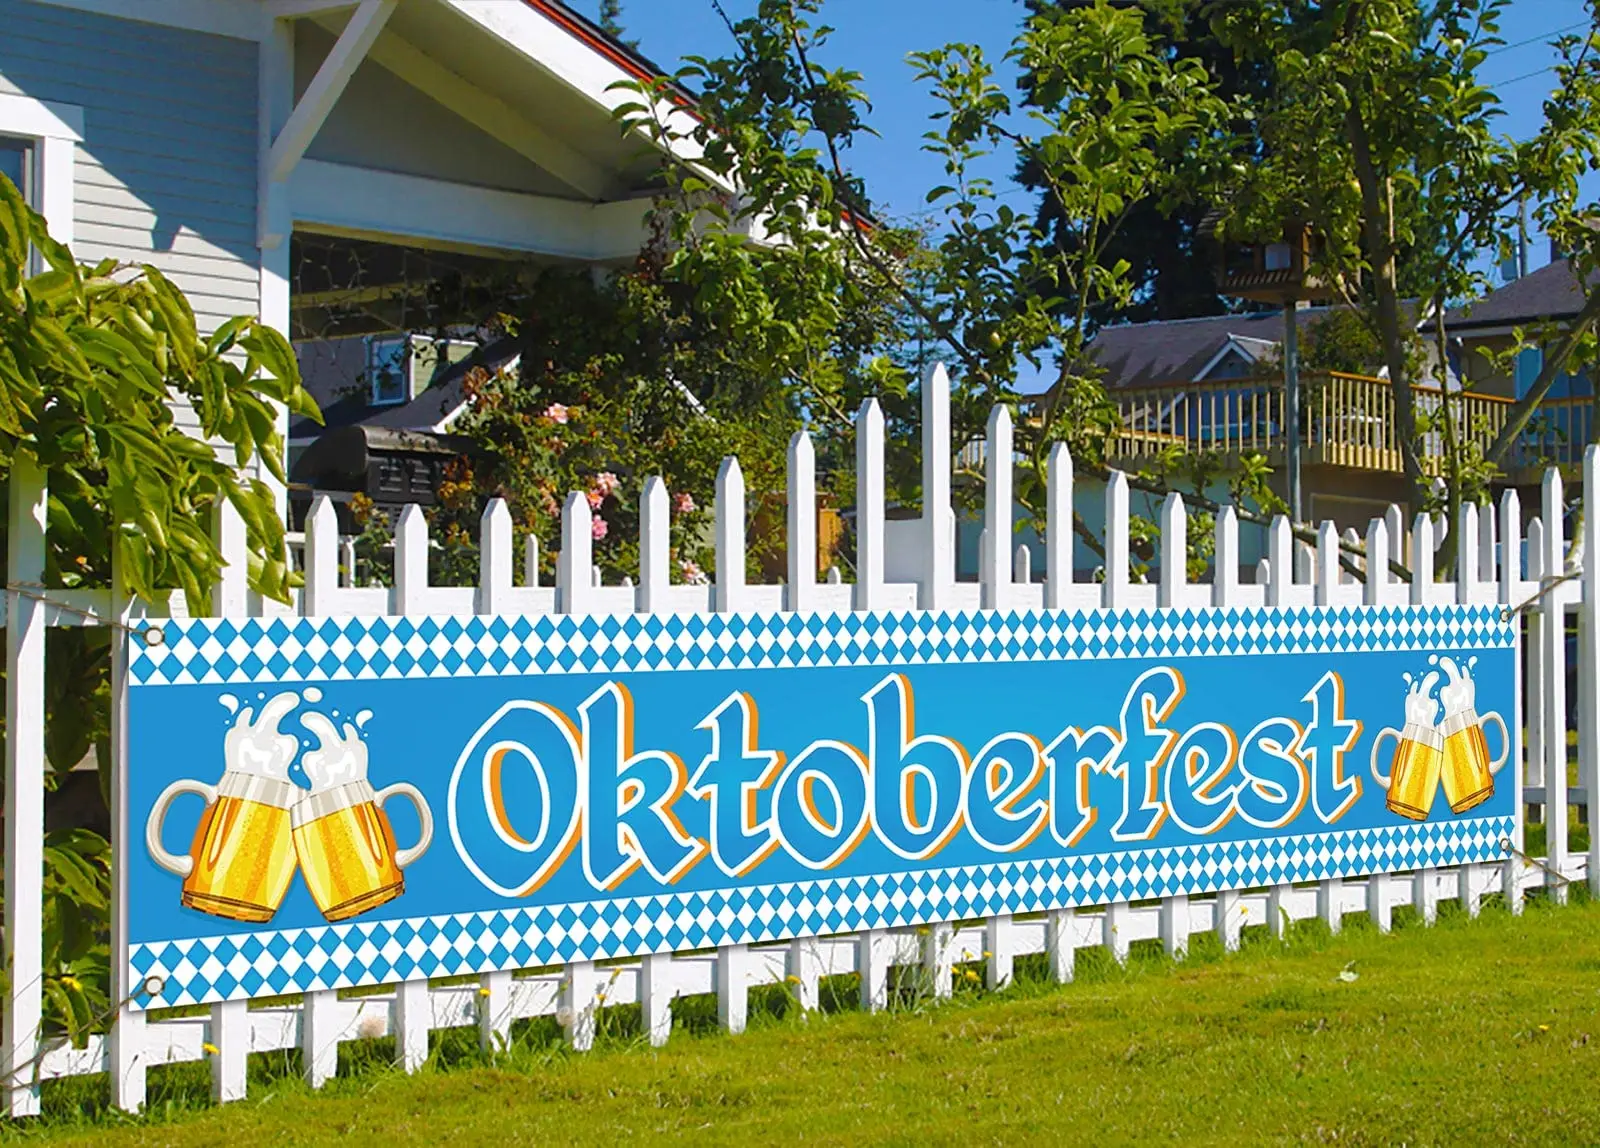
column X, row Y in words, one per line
column 1491, row 544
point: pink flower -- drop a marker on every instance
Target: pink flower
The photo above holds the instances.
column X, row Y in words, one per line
column 683, row 502
column 692, row 574
column 595, row 499
column 556, row 413
column 606, row 483
column 598, row 529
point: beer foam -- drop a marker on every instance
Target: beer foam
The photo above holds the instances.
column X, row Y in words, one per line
column 338, row 759
column 1421, row 708
column 1460, row 692
column 254, row 744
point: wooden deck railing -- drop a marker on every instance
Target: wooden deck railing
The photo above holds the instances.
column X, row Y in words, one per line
column 1346, row 420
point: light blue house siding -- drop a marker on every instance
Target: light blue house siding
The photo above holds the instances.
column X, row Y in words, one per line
column 166, row 172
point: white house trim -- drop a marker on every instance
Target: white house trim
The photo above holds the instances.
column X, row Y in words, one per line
column 552, row 48
column 55, row 130
column 327, row 86
column 1236, row 344
column 347, row 200
column 240, row 19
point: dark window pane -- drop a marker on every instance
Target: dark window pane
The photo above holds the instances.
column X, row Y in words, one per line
column 14, row 157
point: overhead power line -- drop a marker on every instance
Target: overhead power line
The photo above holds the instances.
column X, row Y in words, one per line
column 1542, row 37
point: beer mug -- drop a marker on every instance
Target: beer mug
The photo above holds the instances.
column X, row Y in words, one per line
column 1467, row 770
column 242, row 858
column 1413, row 775
column 347, row 850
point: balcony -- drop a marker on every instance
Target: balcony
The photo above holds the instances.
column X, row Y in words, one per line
column 1347, row 421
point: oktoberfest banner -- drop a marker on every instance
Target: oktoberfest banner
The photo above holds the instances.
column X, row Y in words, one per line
column 319, row 803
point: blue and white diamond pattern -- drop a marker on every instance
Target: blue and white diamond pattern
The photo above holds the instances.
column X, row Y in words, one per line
column 244, row 965
column 243, row 651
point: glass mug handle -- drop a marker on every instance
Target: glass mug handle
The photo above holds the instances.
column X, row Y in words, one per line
column 171, row 862
column 1505, row 740
column 1382, row 778
column 424, row 816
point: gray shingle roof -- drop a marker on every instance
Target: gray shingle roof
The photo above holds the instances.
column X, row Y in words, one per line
column 1163, row 351
column 1552, row 292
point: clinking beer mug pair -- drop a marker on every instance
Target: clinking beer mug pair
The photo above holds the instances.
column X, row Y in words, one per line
column 1429, row 753
column 258, row 825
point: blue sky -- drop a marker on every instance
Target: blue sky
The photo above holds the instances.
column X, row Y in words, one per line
column 874, row 36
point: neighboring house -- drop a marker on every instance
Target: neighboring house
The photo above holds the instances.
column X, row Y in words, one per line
column 1540, row 305
column 300, row 160
column 1547, row 298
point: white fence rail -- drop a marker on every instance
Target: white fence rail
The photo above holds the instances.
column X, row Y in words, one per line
column 1490, row 542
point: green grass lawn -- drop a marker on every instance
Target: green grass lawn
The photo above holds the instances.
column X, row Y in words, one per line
column 1471, row 1031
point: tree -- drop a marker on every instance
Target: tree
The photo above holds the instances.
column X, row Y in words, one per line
column 1380, row 132
column 1167, row 245
column 610, row 21
column 91, row 360
column 1112, row 125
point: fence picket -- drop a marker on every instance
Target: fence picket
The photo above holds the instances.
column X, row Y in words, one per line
column 128, row 1055
column 1174, row 571
column 1469, row 878
column 1587, row 702
column 938, row 519
column 995, row 574
column 1061, row 943
column 1058, row 530
column 229, row 1029
column 869, row 506
column 938, row 959
column 24, row 787
column 655, row 997
column 1553, row 683
column 1330, row 892
column 802, row 540
column 998, row 942
column 1375, row 591
column 1510, row 592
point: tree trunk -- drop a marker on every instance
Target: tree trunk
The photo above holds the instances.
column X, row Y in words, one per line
column 1380, row 253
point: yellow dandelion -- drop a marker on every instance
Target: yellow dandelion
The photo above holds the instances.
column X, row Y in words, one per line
column 211, row 1049
column 484, row 991
column 71, row 981
column 987, row 953
column 1544, row 1028
column 792, row 979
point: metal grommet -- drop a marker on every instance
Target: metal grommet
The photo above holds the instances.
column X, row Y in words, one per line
column 153, row 636
column 152, row 985
column 1507, row 614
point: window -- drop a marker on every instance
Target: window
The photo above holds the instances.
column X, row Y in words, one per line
column 38, row 151
column 386, row 369
column 401, row 367
column 16, row 164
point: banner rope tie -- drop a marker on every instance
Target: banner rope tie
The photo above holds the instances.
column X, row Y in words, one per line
column 1537, row 863
column 1546, row 585
column 151, row 635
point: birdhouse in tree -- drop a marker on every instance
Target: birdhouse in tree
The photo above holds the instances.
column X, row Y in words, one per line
column 1276, row 269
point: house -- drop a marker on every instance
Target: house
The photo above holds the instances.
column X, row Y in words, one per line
column 329, row 166
column 1540, row 305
